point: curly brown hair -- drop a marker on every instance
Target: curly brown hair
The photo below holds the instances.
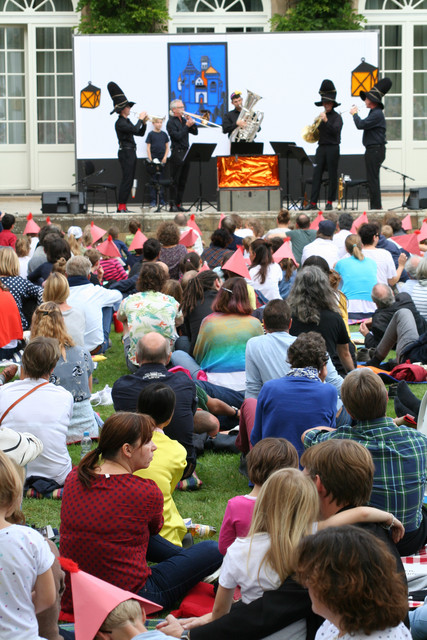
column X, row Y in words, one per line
column 168, row 234
column 151, row 277
column 308, row 350
column 353, row 573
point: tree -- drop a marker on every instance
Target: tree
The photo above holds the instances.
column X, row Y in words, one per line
column 122, row 16
column 319, row 15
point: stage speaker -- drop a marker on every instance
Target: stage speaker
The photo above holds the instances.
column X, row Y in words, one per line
column 417, row 198
column 64, row 202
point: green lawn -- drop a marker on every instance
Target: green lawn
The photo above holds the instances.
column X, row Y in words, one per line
column 219, row 472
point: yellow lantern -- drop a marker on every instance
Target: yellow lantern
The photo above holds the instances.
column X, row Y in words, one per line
column 90, row 97
column 363, row 78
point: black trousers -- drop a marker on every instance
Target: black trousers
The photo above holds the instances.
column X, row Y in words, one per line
column 374, row 157
column 127, row 159
column 179, row 169
column 326, row 159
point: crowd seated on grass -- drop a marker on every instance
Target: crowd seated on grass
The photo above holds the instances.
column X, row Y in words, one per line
column 203, row 360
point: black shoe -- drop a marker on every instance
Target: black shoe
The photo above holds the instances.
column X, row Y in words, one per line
column 310, row 207
column 173, row 208
column 374, row 362
column 182, row 209
column 328, row 207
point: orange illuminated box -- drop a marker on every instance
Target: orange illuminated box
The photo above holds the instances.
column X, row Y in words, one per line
column 247, row 171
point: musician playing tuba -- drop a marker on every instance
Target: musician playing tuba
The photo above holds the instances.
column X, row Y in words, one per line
column 231, row 120
column 328, row 150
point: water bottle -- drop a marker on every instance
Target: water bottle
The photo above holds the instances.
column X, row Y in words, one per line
column 86, row 444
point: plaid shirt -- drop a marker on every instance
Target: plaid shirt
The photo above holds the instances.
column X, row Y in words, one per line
column 400, row 458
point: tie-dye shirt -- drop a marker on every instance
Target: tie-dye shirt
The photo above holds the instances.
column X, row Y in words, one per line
column 221, row 343
column 149, row 311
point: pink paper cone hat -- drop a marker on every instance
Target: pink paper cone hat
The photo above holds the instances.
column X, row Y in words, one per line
column 409, row 242
column 423, row 231
column 407, row 223
column 138, row 241
column 94, row 599
column 236, row 264
column 221, row 218
column 31, row 226
column 317, row 219
column 362, row 219
column 108, row 248
column 285, row 251
column 193, row 224
column 188, row 238
column 48, row 220
column 96, row 232
column 204, row 267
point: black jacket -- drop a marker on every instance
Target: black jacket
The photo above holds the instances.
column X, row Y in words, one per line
column 126, row 130
column 382, row 317
column 178, row 133
column 330, row 131
column 229, row 121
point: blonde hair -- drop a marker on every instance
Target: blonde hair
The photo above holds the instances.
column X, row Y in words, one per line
column 10, row 483
column 286, row 507
column 56, row 288
column 9, row 263
column 353, row 245
column 127, row 611
column 48, row 322
column 76, row 247
column 23, row 246
column 87, row 240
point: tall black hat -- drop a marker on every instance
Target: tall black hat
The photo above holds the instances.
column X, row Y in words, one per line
column 118, row 97
column 328, row 92
column 378, row 91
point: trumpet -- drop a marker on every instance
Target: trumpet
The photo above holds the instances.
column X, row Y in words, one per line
column 150, row 118
column 311, row 133
column 202, row 120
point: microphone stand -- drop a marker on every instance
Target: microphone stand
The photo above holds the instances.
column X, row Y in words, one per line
column 404, row 176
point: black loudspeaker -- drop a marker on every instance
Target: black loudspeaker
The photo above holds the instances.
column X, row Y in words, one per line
column 64, row 202
column 417, row 198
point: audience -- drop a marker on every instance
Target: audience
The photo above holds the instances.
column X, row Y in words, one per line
column 171, row 252
column 323, row 245
column 344, row 224
column 27, row 295
column 283, row 218
column 301, row 235
column 359, row 275
column 265, row 273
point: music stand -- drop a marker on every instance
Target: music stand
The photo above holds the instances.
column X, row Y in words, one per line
column 283, row 150
column 200, row 152
column 246, row 149
column 404, row 204
column 298, row 153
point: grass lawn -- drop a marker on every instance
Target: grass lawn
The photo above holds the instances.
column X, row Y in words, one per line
column 219, row 472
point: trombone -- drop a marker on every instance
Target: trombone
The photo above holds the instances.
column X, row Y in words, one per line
column 204, row 121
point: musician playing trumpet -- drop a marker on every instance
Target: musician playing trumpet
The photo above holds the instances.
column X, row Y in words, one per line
column 328, row 150
column 231, row 119
column 179, row 127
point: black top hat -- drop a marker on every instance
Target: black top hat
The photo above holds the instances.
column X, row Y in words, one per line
column 327, row 92
column 378, row 91
column 118, row 97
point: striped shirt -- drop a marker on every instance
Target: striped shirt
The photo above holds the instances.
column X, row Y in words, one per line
column 419, row 297
column 400, row 458
column 113, row 270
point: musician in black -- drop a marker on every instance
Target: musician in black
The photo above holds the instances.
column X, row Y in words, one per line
column 328, row 150
column 126, row 131
column 178, row 128
column 231, row 119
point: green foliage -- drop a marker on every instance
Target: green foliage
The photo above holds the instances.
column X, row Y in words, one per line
column 120, row 16
column 319, row 15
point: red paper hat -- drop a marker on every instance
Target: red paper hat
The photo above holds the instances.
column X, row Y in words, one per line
column 31, row 226
column 317, row 219
column 409, row 242
column 48, row 220
column 423, row 231
column 362, row 219
column 94, row 599
column 193, row 224
column 96, row 232
column 237, row 265
column 407, row 223
column 188, row 238
column 221, row 218
column 285, row 251
column 138, row 241
column 108, row 248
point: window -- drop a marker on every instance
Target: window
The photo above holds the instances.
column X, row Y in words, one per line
column 209, row 16
column 31, row 6
column 54, row 66
column 12, row 85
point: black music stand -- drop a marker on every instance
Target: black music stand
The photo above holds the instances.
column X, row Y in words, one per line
column 404, row 204
column 298, row 153
column 200, row 152
column 284, row 150
column 246, row 149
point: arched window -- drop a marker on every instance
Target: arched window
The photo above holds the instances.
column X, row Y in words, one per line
column 30, row 6
column 234, row 16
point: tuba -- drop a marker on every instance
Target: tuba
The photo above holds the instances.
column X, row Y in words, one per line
column 310, row 133
column 251, row 118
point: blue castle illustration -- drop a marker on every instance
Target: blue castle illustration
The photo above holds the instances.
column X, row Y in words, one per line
column 202, row 89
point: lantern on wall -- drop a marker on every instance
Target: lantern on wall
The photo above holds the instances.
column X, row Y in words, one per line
column 90, row 97
column 363, row 78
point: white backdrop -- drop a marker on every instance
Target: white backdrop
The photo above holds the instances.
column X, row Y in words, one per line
column 285, row 68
